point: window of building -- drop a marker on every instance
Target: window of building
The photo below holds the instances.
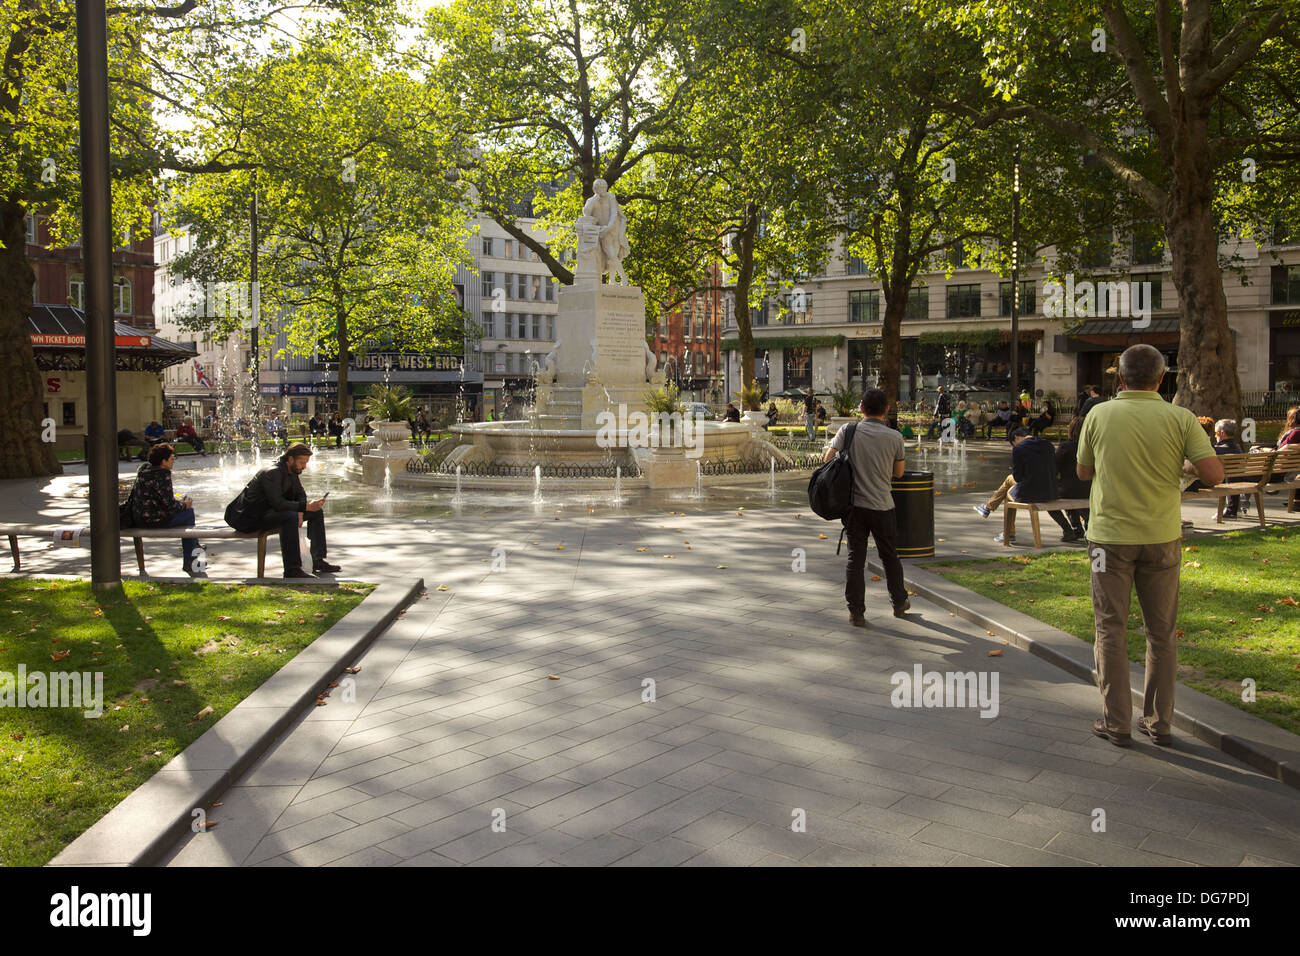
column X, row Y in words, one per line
column 864, row 306
column 486, row 290
column 506, row 245
column 856, row 266
column 31, row 229
column 964, row 301
column 1283, row 233
column 1148, row 245
column 550, row 328
column 121, row 296
column 1028, row 297
column 69, row 413
column 918, row 304
column 1286, row 285
column 956, row 255
column 552, row 287
column 758, row 314
column 798, row 368
column 1097, row 252
column 487, row 246
column 536, row 327
column 1156, row 292
column 77, row 291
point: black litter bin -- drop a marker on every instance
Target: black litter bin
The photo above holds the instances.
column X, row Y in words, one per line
column 914, row 511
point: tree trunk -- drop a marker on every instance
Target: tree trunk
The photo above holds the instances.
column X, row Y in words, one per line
column 21, row 385
column 1208, row 383
column 744, row 248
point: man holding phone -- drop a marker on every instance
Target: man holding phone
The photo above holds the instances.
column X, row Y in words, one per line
column 275, row 498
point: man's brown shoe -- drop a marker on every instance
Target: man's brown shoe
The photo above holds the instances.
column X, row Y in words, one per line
column 857, row 620
column 1119, row 740
column 1162, row 740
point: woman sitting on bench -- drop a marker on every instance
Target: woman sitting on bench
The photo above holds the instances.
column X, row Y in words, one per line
column 153, row 504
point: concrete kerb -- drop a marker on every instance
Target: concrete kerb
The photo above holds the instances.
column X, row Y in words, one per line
column 1257, row 743
column 143, row 827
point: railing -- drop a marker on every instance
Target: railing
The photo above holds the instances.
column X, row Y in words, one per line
column 421, row 466
column 801, row 462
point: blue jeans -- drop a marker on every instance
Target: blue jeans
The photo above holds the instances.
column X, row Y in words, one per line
column 185, row 519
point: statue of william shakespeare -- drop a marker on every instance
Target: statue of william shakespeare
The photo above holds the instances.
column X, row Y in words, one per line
column 602, row 236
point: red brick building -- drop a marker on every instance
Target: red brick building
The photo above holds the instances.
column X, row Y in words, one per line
column 687, row 343
column 59, row 275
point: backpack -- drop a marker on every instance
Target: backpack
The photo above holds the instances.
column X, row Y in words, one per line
column 125, row 514
column 830, row 489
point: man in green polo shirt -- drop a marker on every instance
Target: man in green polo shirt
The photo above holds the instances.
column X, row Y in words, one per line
column 1133, row 449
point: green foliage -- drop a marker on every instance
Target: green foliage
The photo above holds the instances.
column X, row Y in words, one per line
column 389, row 403
column 358, row 244
column 666, row 398
column 751, row 396
column 845, row 399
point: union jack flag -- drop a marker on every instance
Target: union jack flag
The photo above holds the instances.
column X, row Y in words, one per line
column 200, row 375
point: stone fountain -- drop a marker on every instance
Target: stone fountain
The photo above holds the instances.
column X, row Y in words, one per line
column 599, row 371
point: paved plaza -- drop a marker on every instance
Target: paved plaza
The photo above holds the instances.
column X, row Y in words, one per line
column 609, row 694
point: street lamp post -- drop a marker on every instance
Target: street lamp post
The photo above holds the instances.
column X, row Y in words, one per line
column 1015, row 278
column 97, row 238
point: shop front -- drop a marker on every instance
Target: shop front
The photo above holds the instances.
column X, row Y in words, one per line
column 979, row 359
column 1284, row 353
column 1100, row 342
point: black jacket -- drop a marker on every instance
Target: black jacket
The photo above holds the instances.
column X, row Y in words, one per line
column 272, row 489
column 1033, row 464
column 1070, row 484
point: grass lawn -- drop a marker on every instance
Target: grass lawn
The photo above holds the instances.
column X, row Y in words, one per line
column 1238, row 614
column 167, row 652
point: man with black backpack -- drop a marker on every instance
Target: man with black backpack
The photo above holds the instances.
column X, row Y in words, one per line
column 875, row 454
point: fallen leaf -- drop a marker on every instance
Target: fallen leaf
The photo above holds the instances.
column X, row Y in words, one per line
column 999, row 584
column 223, row 617
column 123, row 728
column 353, row 670
column 559, row 547
column 205, row 712
column 669, row 556
column 552, row 676
column 875, row 577
column 443, row 587
column 722, row 567
column 59, row 655
column 995, row 653
column 643, row 549
column 822, row 537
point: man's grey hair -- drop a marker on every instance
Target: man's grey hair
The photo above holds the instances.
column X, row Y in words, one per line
column 1227, row 426
column 1142, row 366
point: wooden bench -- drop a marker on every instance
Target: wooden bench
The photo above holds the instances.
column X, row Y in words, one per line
column 1286, row 461
column 1011, row 506
column 138, row 536
column 1244, row 474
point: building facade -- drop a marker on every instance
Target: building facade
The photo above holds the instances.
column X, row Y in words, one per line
column 956, row 331
column 687, row 343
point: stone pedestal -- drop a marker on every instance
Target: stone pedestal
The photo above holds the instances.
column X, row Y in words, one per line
column 388, row 450
column 669, row 468
column 600, row 355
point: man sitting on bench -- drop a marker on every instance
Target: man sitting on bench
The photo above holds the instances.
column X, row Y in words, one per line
column 275, row 498
column 1032, row 478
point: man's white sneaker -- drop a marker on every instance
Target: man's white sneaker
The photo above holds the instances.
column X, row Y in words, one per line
column 981, row 510
column 998, row 539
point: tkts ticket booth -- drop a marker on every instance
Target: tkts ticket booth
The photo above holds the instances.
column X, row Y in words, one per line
column 58, row 337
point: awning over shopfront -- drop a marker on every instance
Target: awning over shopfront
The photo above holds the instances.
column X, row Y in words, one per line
column 1100, row 334
column 58, row 335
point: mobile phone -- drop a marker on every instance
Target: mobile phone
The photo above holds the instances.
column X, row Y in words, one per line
column 324, row 496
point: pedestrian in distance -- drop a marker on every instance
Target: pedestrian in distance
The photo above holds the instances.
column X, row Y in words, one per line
column 1133, row 448
column 876, row 457
column 275, row 498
